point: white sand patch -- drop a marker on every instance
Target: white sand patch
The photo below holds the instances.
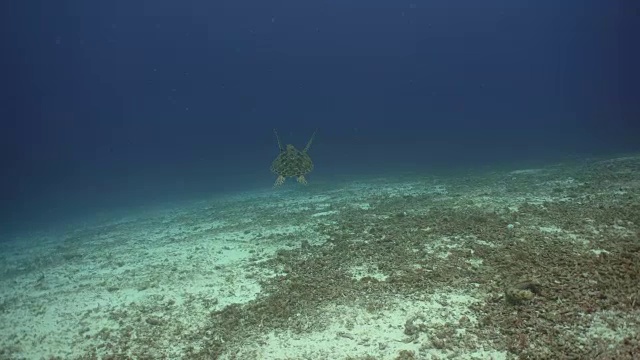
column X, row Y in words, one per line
column 606, row 325
column 526, row 171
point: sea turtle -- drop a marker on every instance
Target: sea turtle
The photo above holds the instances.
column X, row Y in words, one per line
column 292, row 162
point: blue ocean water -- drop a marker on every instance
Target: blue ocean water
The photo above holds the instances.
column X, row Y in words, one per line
column 116, row 104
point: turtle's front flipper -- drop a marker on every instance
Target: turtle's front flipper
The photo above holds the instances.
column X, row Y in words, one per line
column 278, row 138
column 309, row 143
column 302, row 180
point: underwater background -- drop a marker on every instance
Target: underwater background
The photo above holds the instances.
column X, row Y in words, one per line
column 110, row 105
column 471, row 171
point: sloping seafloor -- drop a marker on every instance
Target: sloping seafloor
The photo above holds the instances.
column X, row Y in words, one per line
column 528, row 263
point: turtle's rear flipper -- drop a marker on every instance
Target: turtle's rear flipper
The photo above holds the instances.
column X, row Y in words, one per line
column 279, row 181
column 302, row 180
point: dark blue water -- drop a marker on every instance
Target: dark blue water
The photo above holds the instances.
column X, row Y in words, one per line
column 113, row 104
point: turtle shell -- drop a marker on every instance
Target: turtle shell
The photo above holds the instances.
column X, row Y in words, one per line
column 292, row 162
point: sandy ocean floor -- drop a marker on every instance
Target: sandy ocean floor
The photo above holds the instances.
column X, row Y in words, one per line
column 537, row 263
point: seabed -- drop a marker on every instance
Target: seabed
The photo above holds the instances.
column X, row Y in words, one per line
column 537, row 263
